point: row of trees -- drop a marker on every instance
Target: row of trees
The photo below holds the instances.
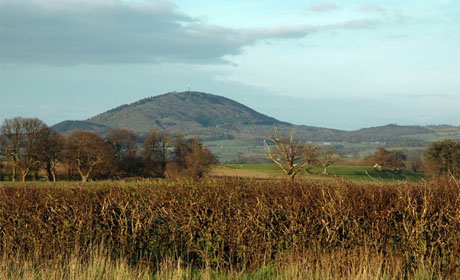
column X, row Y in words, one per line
column 28, row 146
column 291, row 156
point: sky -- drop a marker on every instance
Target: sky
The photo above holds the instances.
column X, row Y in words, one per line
column 336, row 64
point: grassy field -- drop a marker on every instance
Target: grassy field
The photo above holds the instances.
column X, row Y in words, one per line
column 233, row 150
column 355, row 173
column 230, row 229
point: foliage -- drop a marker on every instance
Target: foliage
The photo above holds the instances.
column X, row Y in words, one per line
column 443, row 158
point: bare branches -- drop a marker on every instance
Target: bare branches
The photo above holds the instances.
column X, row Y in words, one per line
column 87, row 150
column 287, row 153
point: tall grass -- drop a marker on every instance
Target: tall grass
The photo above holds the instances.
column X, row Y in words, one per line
column 241, row 228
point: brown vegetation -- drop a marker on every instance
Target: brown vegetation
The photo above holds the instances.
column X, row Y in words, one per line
column 238, row 224
column 28, row 145
column 394, row 159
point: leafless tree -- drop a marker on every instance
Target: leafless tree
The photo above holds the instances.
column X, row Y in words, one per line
column 51, row 152
column 35, row 134
column 327, row 157
column 191, row 158
column 156, row 146
column 12, row 135
column 310, row 153
column 287, row 153
column 86, row 150
column 123, row 144
column 198, row 159
column 22, row 139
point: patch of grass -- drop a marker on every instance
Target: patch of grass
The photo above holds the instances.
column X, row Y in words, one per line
column 351, row 172
column 260, row 167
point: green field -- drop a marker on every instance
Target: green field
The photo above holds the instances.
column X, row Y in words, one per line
column 240, row 150
column 355, row 173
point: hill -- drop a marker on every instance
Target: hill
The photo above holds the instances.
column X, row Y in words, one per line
column 67, row 127
column 224, row 122
column 209, row 115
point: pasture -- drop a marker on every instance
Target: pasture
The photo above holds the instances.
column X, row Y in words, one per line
column 350, row 172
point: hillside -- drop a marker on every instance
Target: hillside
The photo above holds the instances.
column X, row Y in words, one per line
column 66, row 127
column 209, row 115
column 215, row 117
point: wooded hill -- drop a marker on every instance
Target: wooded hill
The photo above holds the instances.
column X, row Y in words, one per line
column 215, row 117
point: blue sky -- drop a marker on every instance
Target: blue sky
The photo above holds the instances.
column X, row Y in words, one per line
column 337, row 64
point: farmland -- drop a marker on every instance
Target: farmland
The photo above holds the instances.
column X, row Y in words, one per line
column 230, row 229
column 351, row 172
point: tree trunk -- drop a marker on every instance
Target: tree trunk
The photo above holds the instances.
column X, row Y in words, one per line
column 23, row 176
column 325, row 170
column 48, row 171
column 13, row 174
column 84, row 178
column 24, row 173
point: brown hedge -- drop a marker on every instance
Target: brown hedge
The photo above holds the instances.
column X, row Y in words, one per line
column 233, row 223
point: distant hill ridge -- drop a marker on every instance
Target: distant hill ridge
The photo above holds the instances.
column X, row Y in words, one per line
column 215, row 117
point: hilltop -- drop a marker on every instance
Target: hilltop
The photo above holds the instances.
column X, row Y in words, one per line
column 211, row 116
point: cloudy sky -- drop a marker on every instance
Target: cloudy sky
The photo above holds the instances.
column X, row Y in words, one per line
column 338, row 64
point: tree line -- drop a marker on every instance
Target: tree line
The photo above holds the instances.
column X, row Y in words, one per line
column 293, row 156
column 28, row 146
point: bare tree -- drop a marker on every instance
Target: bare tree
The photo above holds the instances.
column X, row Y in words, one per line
column 191, row 158
column 156, row 146
column 86, row 150
column 310, row 153
column 198, row 159
column 22, row 139
column 327, row 157
column 180, row 150
column 12, row 135
column 51, row 152
column 123, row 144
column 35, row 132
column 287, row 153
